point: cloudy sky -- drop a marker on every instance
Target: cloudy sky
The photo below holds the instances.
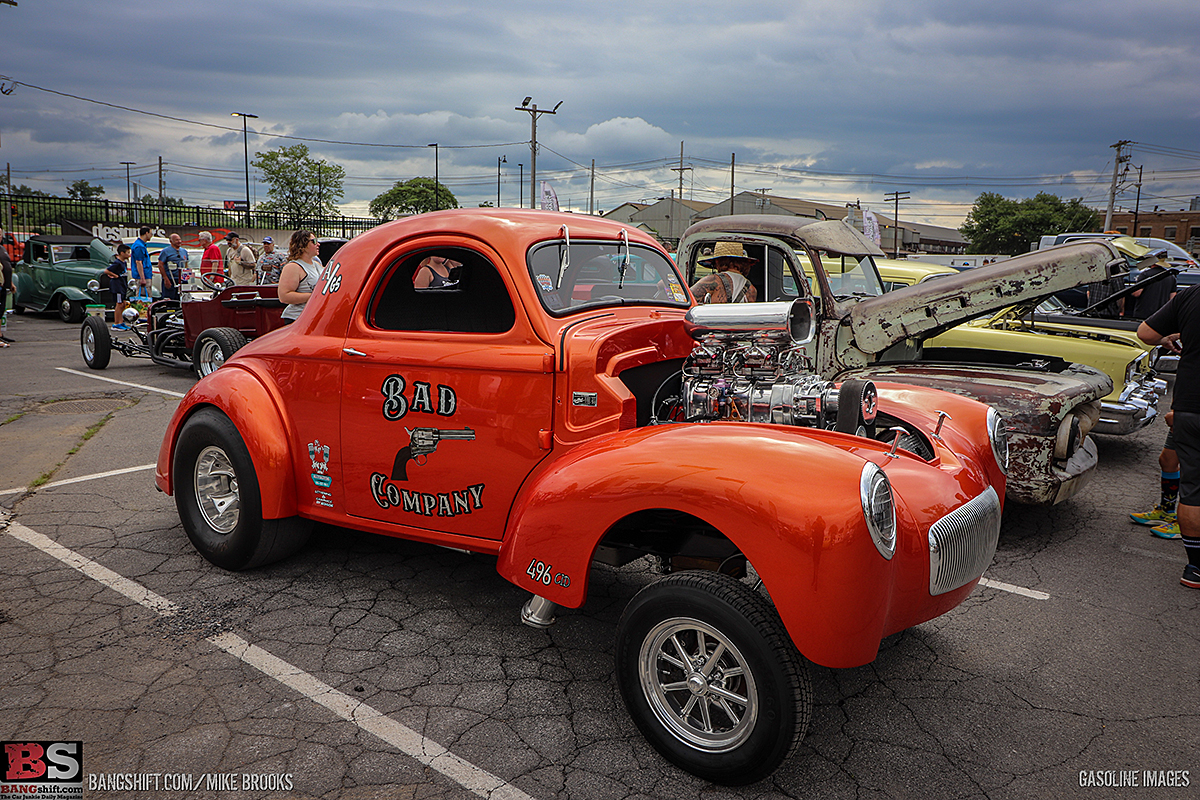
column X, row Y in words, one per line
column 829, row 101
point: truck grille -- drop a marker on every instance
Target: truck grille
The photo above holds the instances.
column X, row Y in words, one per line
column 962, row 543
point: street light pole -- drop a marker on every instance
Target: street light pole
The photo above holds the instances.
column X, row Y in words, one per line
column 128, row 164
column 521, row 185
column 246, row 152
column 499, row 161
column 437, row 202
column 533, row 112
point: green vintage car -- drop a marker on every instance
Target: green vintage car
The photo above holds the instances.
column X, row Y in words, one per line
column 53, row 275
column 1010, row 337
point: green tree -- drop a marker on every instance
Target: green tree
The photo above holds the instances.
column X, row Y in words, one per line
column 414, row 196
column 997, row 224
column 299, row 185
column 82, row 190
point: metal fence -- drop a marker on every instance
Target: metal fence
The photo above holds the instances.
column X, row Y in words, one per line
column 34, row 214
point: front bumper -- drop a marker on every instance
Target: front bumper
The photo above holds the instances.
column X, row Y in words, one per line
column 1136, row 409
column 1035, row 477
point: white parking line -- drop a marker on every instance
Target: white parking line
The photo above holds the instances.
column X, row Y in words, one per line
column 121, row 383
column 1008, row 587
column 118, row 583
column 80, row 479
column 428, row 752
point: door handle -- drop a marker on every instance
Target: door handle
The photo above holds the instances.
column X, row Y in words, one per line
column 350, row 351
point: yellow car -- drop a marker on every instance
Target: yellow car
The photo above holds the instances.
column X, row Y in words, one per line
column 1010, row 337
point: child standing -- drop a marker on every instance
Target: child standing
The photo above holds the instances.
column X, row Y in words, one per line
column 118, row 286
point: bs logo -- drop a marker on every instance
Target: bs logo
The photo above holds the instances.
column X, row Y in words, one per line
column 43, row 762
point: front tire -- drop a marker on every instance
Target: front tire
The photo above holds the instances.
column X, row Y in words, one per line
column 217, row 495
column 96, row 343
column 213, row 347
column 711, row 677
column 70, row 310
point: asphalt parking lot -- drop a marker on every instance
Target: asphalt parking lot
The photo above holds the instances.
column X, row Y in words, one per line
column 370, row 667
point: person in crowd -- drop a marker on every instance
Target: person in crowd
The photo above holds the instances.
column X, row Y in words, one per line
column 270, row 262
column 171, row 262
column 1161, row 518
column 211, row 261
column 6, row 283
column 141, row 270
column 1179, row 322
column 1155, row 295
column 239, row 260
column 730, row 283
column 435, row 273
column 118, row 284
column 298, row 277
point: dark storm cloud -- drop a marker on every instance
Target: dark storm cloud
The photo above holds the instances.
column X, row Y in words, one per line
column 930, row 88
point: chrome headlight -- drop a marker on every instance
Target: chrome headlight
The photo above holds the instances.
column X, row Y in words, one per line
column 875, row 492
column 998, row 437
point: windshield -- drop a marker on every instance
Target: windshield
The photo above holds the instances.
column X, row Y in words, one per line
column 590, row 274
column 849, row 276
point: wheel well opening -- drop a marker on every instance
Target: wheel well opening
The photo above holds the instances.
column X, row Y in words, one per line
column 678, row 540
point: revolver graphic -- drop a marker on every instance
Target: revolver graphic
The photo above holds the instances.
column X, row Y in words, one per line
column 422, row 442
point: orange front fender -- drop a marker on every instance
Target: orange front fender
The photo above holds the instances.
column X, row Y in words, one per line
column 789, row 501
column 254, row 410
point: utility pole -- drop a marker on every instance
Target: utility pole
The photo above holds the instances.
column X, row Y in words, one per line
column 592, row 190
column 731, row 180
column 533, row 112
column 896, row 197
column 161, row 210
column 680, row 169
column 520, row 185
column 1112, row 189
column 1136, row 205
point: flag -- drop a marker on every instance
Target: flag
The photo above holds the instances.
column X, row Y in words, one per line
column 871, row 226
column 549, row 198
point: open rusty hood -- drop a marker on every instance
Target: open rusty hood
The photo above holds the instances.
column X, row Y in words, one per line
column 925, row 309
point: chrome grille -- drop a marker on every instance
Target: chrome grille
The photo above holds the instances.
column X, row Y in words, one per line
column 962, row 543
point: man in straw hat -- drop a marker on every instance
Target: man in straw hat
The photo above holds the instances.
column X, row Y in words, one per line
column 729, row 284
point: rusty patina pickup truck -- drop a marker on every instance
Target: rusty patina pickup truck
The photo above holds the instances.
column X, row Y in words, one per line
column 1051, row 405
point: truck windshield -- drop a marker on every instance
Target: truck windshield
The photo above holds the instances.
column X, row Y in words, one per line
column 586, row 274
column 849, row 276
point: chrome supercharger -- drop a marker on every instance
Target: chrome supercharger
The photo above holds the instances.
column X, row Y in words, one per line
column 749, row 365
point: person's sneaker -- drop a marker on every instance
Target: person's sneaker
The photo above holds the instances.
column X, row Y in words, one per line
column 1155, row 516
column 1168, row 530
column 1191, row 576
column 120, row 327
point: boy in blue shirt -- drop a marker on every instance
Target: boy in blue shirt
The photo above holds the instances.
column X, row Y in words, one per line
column 117, row 285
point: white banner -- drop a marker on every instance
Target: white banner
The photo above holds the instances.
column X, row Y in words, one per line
column 549, row 198
column 871, row 226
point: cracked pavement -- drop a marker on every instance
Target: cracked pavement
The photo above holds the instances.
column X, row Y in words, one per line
column 1004, row 697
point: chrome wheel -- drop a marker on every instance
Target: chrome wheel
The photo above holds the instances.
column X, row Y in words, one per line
column 89, row 345
column 211, row 357
column 698, row 684
column 216, row 487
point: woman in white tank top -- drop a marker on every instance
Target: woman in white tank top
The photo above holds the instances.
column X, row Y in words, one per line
column 298, row 277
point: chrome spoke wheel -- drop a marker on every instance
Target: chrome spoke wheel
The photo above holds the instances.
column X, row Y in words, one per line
column 698, row 684
column 216, row 487
column 89, row 345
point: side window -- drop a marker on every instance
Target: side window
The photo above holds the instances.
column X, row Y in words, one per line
column 38, row 251
column 449, row 289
